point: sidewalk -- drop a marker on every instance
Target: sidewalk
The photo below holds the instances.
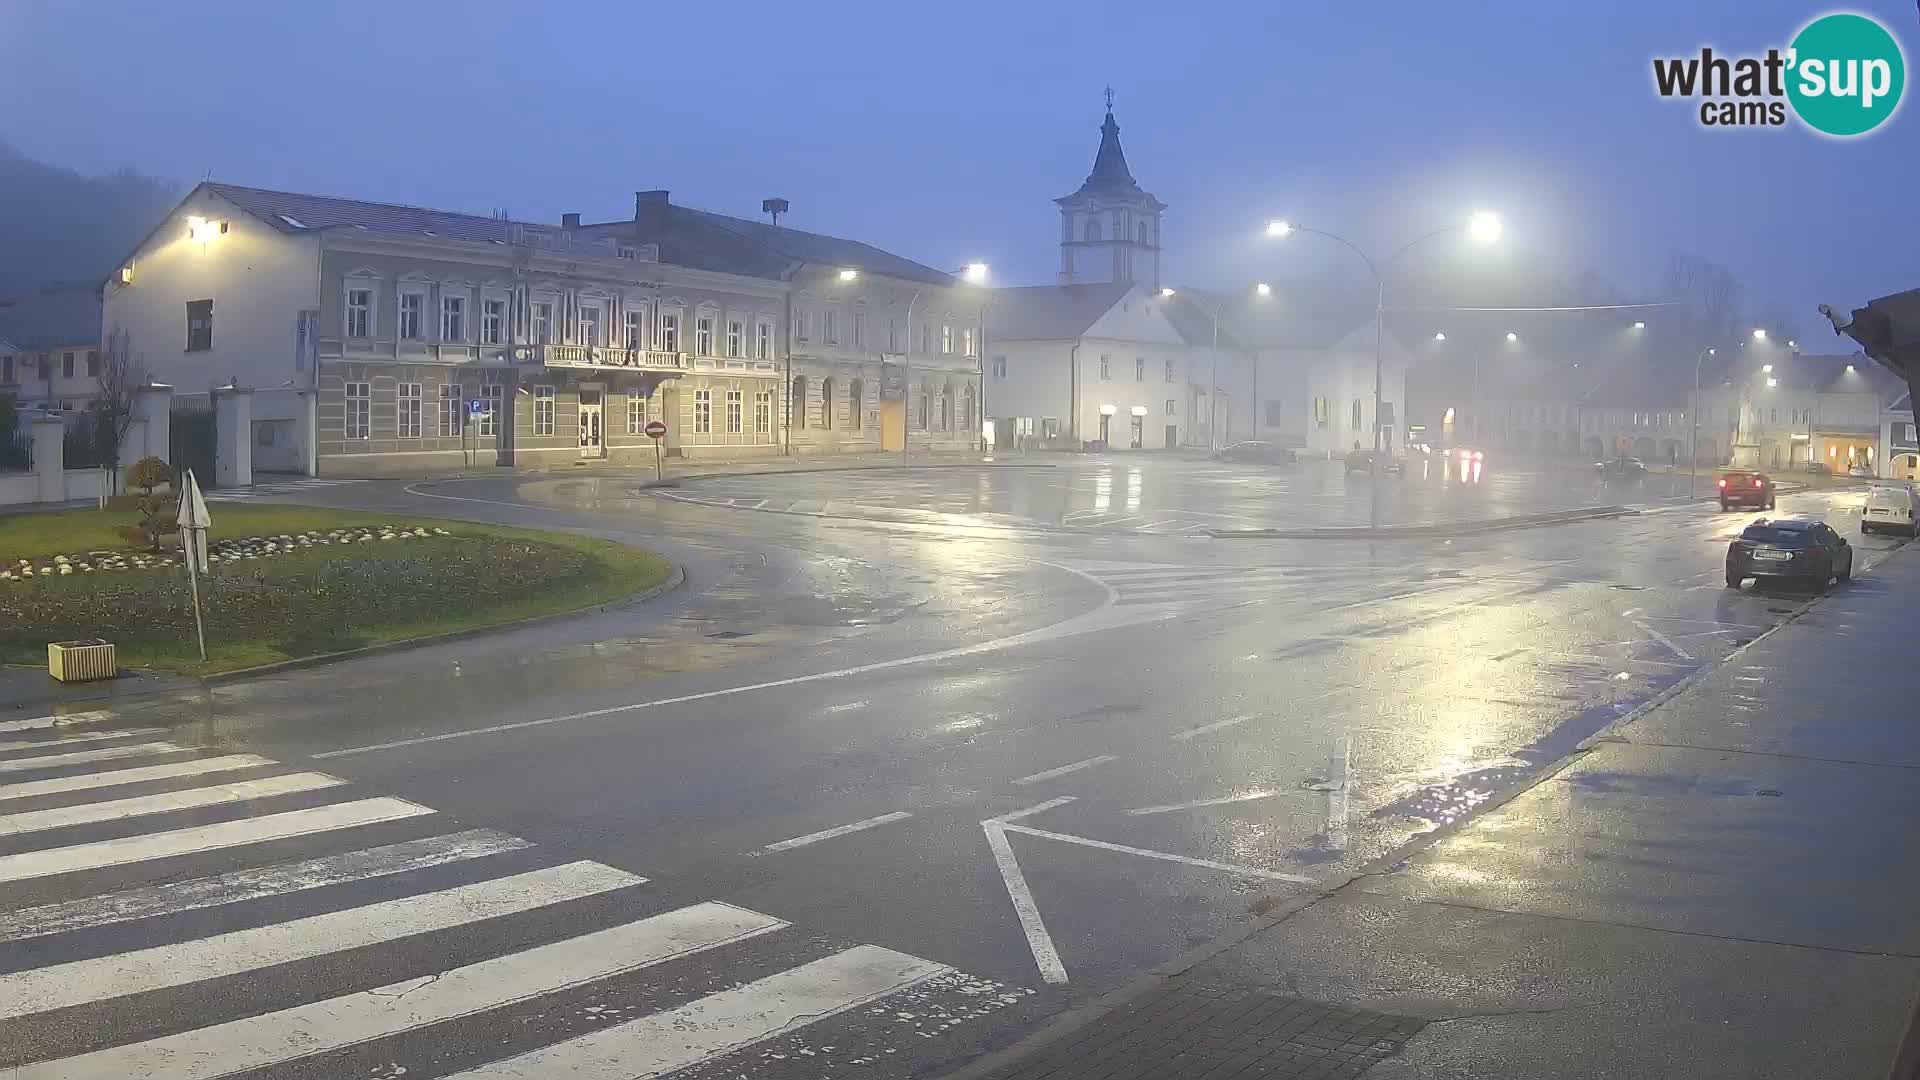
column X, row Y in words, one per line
column 1727, row 886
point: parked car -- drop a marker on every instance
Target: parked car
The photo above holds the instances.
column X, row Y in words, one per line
column 1796, row 548
column 1256, row 452
column 1360, row 461
column 1621, row 468
column 1819, row 468
column 1890, row 507
column 1741, row 488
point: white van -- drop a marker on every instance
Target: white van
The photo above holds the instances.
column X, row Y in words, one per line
column 1889, row 506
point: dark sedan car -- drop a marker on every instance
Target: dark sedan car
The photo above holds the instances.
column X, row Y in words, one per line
column 1800, row 548
column 1255, row 452
column 1740, row 488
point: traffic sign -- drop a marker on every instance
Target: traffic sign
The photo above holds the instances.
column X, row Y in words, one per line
column 476, row 406
column 656, row 429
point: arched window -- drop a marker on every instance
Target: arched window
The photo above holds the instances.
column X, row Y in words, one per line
column 967, row 423
column 797, row 404
column 1093, row 229
column 946, row 406
column 826, row 403
column 926, row 395
column 1140, row 231
column 856, row 404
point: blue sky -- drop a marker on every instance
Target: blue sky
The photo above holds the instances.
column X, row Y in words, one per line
column 943, row 131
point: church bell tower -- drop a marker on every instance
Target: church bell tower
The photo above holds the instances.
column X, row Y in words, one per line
column 1110, row 228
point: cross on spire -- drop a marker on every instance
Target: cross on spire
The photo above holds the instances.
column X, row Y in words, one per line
column 1109, row 98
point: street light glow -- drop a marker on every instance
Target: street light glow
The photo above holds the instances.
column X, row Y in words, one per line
column 1166, row 292
column 1263, row 288
column 1771, row 381
column 849, row 274
column 1759, row 333
column 1277, row 227
column 1511, row 336
column 1439, row 336
column 1792, row 344
column 1768, row 368
column 1639, row 326
column 1849, row 369
column 976, row 273
column 1485, row 227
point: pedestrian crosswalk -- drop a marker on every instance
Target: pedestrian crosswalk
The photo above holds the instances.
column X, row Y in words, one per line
column 159, row 918
column 276, row 489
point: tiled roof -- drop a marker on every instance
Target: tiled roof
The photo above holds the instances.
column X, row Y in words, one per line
column 65, row 313
column 695, row 234
column 1050, row 312
column 291, row 212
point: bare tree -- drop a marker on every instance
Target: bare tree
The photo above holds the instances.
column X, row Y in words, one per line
column 121, row 377
column 1710, row 291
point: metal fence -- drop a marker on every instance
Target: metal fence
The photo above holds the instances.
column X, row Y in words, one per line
column 191, row 438
column 16, row 451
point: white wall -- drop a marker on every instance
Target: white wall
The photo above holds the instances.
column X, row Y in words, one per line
column 1037, row 384
column 258, row 279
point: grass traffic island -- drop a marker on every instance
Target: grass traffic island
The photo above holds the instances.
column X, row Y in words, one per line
column 291, row 581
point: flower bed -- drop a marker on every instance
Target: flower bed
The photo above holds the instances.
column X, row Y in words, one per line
column 252, row 547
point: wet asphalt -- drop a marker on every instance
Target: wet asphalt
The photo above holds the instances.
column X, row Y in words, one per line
column 1151, row 733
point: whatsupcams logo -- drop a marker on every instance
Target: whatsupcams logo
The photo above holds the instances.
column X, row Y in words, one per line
column 1842, row 76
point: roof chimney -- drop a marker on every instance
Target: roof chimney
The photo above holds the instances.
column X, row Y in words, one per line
column 773, row 208
column 649, row 205
column 569, row 221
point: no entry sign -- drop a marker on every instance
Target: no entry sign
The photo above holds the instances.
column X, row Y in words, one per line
column 656, row 429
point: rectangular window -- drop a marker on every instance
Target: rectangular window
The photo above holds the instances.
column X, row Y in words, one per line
column 1169, row 367
column 1273, row 414
column 453, row 318
column 1106, row 366
column 1170, row 406
column 1139, row 369
column 543, row 410
column 636, row 415
column 946, row 340
column 859, row 329
column 798, row 331
column 926, row 341
column 763, row 412
column 703, row 335
column 406, row 416
column 966, row 342
column 359, row 313
column 830, row 326
column 493, row 397
column 453, row 405
column 590, row 326
column 359, row 410
column 412, row 305
column 66, row 365
column 669, row 332
column 199, row 325
column 1321, row 413
column 493, row 322
column 736, row 337
column 541, row 331
column 763, row 341
column 703, row 411
column 893, row 335
column 1356, row 414
column 999, row 367
column 734, row 403
column 636, row 329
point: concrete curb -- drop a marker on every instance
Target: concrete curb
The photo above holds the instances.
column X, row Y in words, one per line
column 1070, row 1022
column 674, row 581
column 1427, row 530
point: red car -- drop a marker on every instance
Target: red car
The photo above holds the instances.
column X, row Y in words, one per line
column 1738, row 488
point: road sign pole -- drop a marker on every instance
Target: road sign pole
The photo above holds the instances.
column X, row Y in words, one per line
column 659, row 474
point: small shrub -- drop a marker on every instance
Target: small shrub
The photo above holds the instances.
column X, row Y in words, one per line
column 157, row 511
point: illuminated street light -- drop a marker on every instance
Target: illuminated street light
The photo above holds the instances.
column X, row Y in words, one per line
column 1438, row 336
column 1639, row 326
column 1768, row 368
column 1166, row 292
column 1792, row 344
column 849, row 274
column 1511, row 336
column 1759, row 333
column 1772, row 381
column 1485, row 227
column 1276, row 227
column 976, row 273
column 1849, row 369
column 1263, row 289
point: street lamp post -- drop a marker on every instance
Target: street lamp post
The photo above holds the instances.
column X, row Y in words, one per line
column 1483, row 227
column 1693, row 467
column 1213, row 368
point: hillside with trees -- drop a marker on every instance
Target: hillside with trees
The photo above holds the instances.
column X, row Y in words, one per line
column 59, row 225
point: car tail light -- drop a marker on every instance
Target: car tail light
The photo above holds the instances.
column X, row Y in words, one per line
column 1477, row 455
column 1756, row 481
column 1723, row 482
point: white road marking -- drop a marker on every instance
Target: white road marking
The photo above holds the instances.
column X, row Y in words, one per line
column 84, row 737
column 720, row 1023
column 38, row 723
column 78, row 982
column 322, row 1026
column 79, row 757
column 1165, row 856
column 66, row 860
column 842, row 830
column 1215, row 726
column 1340, row 794
column 848, row 706
column 88, row 781
column 141, row 805
column 254, row 884
column 1663, row 639
column 1168, row 808
column 1032, row 810
column 1063, row 770
column 1039, row 942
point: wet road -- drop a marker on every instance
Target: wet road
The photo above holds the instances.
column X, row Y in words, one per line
column 1038, row 761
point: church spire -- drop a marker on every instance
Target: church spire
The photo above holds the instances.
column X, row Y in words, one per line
column 1110, row 175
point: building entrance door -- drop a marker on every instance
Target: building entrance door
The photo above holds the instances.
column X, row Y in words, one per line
column 1138, row 433
column 592, row 439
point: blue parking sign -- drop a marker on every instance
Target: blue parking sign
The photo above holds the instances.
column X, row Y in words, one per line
column 476, row 406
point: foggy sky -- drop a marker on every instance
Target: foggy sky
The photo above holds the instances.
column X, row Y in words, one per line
column 943, row 131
